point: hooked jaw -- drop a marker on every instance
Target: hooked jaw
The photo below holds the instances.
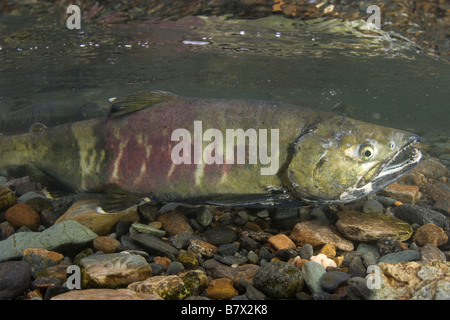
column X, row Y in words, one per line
column 385, row 173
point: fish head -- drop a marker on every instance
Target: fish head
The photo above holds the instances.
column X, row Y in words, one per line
column 341, row 160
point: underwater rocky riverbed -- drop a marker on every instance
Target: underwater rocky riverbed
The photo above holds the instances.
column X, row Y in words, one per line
column 393, row 245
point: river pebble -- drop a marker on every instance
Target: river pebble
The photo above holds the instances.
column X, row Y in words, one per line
column 106, row 244
column 430, row 252
column 312, row 273
column 195, row 281
column 330, row 281
column 281, row 241
column 430, row 233
column 372, row 206
column 15, row 278
column 220, row 235
column 174, row 222
column 7, row 197
column 174, row 268
column 401, row 256
column 23, row 215
column 319, row 233
column 221, row 288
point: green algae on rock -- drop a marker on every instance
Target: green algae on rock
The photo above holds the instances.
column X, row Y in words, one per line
column 278, row 280
column 7, row 197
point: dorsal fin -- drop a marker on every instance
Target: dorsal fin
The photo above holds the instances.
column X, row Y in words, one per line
column 138, row 101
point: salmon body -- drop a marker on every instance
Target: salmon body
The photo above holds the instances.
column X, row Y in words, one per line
column 231, row 152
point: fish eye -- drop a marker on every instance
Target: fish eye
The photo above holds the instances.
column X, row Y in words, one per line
column 367, row 152
column 391, row 145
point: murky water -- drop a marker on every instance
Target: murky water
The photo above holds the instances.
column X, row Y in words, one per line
column 328, row 64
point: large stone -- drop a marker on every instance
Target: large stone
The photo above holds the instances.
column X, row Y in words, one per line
column 15, row 278
column 64, row 236
column 318, row 233
column 413, row 280
column 169, row 287
column 278, row 280
column 106, row 294
column 113, row 270
column 85, row 212
column 360, row 226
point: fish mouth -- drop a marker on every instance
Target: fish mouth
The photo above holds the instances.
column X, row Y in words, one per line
column 385, row 173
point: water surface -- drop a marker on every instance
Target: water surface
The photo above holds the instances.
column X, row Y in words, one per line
column 334, row 65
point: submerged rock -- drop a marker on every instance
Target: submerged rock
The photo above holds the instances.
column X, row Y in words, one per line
column 278, row 280
column 312, row 273
column 415, row 214
column 21, row 215
column 63, row 236
column 221, row 288
column 169, row 287
column 319, row 233
column 401, row 256
column 113, row 270
column 7, row 197
column 85, row 212
column 414, row 281
column 430, row 233
column 360, row 226
column 15, row 278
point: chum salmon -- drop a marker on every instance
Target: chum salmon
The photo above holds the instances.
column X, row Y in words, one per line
column 157, row 145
